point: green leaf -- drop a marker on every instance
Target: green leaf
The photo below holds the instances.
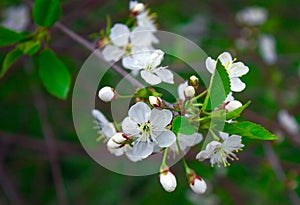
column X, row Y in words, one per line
column 237, row 112
column 218, row 89
column 215, row 120
column 182, row 125
column 46, row 12
column 53, row 73
column 10, row 59
column 8, row 37
column 30, row 47
column 249, row 129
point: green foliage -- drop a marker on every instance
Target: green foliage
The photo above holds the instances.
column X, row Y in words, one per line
column 46, row 12
column 30, row 47
column 9, row 37
column 10, row 59
column 182, row 125
column 250, row 130
column 218, row 89
column 53, row 73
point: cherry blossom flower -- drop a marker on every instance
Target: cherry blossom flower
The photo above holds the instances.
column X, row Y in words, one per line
column 168, row 180
column 234, row 69
column 147, row 128
column 105, row 127
column 267, row 48
column 124, row 41
column 16, row 18
column 148, row 62
column 288, row 122
column 252, row 16
column 219, row 151
column 185, row 142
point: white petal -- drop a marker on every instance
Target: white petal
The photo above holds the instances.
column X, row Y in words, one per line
column 130, row 127
column 180, row 90
column 141, row 36
column 225, row 58
column 99, row 117
column 224, row 135
column 130, row 63
column 288, row 122
column 156, row 57
column 232, row 105
column 229, row 97
column 142, row 149
column 210, row 65
column 119, row 34
column 139, row 112
column 109, row 130
column 204, row 154
column 237, row 70
column 112, row 53
column 159, row 119
column 150, row 77
column 165, row 75
column 186, row 141
column 234, row 142
column 130, row 155
column 166, row 138
column 237, row 85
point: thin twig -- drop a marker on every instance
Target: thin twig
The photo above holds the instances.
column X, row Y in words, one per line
column 91, row 47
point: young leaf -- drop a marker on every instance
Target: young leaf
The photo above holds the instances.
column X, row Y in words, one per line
column 30, row 47
column 182, row 125
column 53, row 73
column 9, row 37
column 249, row 129
column 218, row 89
column 10, row 59
column 237, row 112
column 46, row 12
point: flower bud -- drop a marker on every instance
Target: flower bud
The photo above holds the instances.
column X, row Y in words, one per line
column 155, row 101
column 189, row 92
column 194, row 81
column 232, row 105
column 198, row 185
column 119, row 138
column 136, row 8
column 106, row 94
column 111, row 144
column 168, row 180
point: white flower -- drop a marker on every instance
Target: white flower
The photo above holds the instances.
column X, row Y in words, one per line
column 218, row 152
column 186, row 141
column 168, row 181
column 125, row 41
column 155, row 101
column 16, row 18
column 148, row 62
column 135, row 7
column 288, row 122
column 147, row 128
column 180, row 90
column 189, row 92
column 105, row 127
column 106, row 94
column 267, row 47
column 234, row 70
column 252, row 16
column 146, row 20
column 198, row 185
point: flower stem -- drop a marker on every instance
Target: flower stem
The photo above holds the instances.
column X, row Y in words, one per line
column 199, row 96
column 214, row 135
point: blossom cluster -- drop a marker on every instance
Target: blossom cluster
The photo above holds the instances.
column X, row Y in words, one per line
column 151, row 126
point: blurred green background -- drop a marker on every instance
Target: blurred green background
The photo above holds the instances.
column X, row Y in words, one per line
column 26, row 166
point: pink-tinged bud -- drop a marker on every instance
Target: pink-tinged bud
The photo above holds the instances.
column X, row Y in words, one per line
column 117, row 141
column 168, row 180
column 136, row 8
column 155, row 101
column 111, row 144
column 198, row 185
column 193, row 81
column 106, row 94
column 189, row 92
column 232, row 105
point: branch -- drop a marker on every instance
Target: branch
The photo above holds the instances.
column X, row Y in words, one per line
column 91, row 47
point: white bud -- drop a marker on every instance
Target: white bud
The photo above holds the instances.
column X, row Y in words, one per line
column 137, row 8
column 155, row 101
column 189, row 91
column 119, row 138
column 198, row 185
column 106, row 94
column 168, row 181
column 111, row 144
column 232, row 105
